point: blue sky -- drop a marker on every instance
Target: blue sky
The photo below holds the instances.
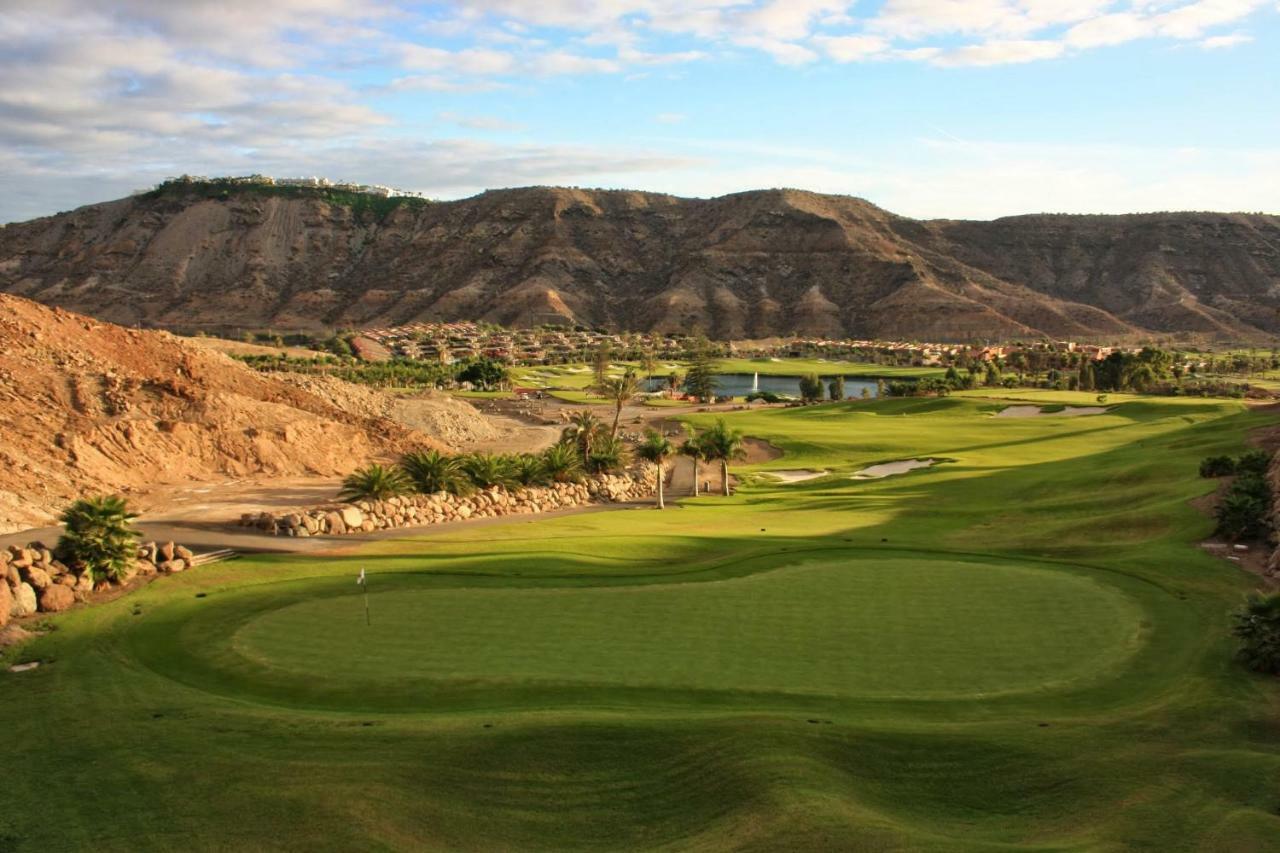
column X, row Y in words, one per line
column 930, row 108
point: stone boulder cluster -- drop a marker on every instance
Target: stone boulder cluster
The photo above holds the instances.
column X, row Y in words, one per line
column 35, row 581
column 417, row 510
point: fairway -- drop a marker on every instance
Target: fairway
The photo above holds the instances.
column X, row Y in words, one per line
column 1017, row 648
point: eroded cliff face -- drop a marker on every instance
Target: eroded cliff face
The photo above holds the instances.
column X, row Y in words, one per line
column 755, row 264
column 88, row 407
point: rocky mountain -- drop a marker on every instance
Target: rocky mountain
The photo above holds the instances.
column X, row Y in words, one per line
column 754, row 264
column 88, row 407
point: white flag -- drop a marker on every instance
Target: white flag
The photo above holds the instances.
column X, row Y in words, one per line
column 360, row 580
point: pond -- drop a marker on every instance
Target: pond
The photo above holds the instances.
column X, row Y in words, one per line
column 742, row 384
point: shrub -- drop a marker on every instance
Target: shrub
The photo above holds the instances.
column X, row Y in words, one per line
column 1242, row 513
column 1217, row 466
column 431, row 471
column 561, row 463
column 766, row 396
column 1257, row 626
column 374, row 482
column 811, row 389
column 1254, row 462
column 608, row 455
column 485, row 470
column 98, row 537
column 529, row 470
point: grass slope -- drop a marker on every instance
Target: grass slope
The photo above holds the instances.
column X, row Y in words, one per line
column 1019, row 648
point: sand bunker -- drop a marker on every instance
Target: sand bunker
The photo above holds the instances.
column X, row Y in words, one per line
column 798, row 475
column 1037, row 412
column 888, row 469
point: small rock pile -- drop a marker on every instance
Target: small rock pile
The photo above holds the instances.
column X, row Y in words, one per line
column 34, row 581
column 417, row 510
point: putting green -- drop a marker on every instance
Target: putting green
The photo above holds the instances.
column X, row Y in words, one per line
column 854, row 626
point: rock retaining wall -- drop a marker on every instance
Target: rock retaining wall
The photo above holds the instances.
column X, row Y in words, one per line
column 32, row 580
column 418, row 510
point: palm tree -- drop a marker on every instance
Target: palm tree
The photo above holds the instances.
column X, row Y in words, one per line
column 674, row 381
column 561, row 464
column 98, row 537
column 723, row 444
column 619, row 390
column 432, row 471
column 655, row 448
column 649, row 362
column 374, row 482
column 609, row 454
column 582, row 431
column 487, row 469
column 528, row 469
column 693, row 448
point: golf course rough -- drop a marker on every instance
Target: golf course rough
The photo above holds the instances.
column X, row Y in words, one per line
column 1019, row 650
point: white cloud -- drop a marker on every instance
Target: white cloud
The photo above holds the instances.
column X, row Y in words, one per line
column 999, row 53
column 562, row 62
column 1219, row 42
column 1108, row 30
column 479, row 122
column 852, row 48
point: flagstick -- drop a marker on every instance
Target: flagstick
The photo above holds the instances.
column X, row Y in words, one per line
column 366, row 600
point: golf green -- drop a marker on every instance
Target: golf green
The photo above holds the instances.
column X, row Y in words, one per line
column 857, row 626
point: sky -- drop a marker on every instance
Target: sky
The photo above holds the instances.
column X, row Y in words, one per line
column 929, row 108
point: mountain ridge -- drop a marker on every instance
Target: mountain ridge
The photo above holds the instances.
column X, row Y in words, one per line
column 752, row 264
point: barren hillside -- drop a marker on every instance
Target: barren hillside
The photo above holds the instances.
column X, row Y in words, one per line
column 89, row 407
column 754, row 264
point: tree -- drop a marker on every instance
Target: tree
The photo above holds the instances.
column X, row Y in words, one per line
column 723, row 444
column 674, row 381
column 655, row 448
column 374, row 482
column 1242, row 512
column 600, row 363
column 648, row 362
column 700, row 381
column 583, row 429
column 837, row 388
column 485, row 373
column 692, row 447
column 432, row 471
column 619, row 391
column 810, row 388
column 98, row 537
column 560, row 464
column 1257, row 626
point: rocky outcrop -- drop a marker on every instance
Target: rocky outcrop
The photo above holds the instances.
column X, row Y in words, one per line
column 421, row 510
column 753, row 264
column 33, row 580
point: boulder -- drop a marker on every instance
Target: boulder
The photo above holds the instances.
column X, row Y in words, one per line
column 12, row 575
column 66, row 580
column 170, row 567
column 37, row 577
column 334, row 523
column 24, row 601
column 84, row 584
column 352, row 516
column 6, row 604
column 183, row 552
column 56, row 599
column 167, row 551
